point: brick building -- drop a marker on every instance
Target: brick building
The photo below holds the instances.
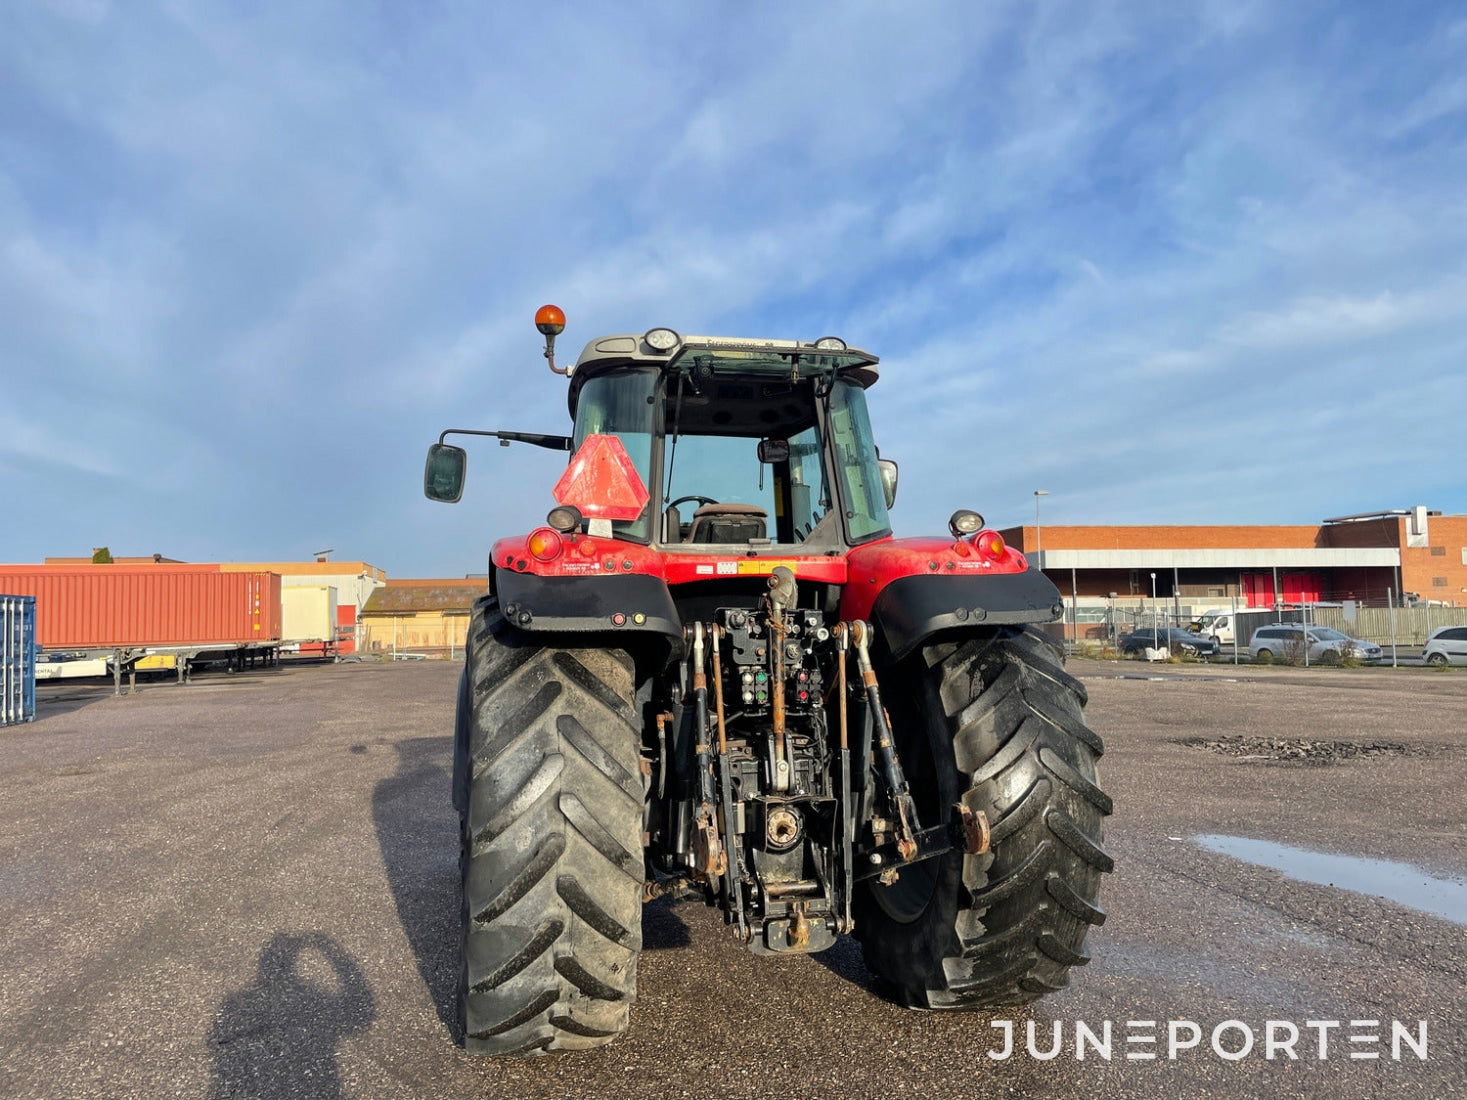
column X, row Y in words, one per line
column 1370, row 558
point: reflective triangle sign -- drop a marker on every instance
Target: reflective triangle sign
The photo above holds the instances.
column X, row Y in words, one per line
column 602, row 481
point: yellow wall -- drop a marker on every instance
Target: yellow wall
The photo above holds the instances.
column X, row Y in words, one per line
column 415, row 631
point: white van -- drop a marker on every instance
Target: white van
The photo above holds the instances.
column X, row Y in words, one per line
column 1220, row 625
column 1224, row 625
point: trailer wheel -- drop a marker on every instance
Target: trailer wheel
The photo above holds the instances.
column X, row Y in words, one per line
column 994, row 722
column 551, row 836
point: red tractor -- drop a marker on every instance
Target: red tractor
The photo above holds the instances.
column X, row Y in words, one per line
column 714, row 671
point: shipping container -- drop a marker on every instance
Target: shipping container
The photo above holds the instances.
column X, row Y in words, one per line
column 80, row 607
column 17, row 659
column 307, row 613
column 346, row 628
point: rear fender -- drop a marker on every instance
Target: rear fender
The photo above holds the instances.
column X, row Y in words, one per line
column 911, row 610
column 912, row 589
column 631, row 604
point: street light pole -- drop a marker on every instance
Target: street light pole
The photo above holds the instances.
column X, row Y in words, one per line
column 1039, row 531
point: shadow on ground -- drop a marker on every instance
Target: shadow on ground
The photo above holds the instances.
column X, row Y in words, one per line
column 279, row 1036
column 662, row 928
column 844, row 959
column 417, row 831
column 56, row 699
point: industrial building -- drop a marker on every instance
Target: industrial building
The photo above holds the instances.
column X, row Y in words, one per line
column 1405, row 556
column 1111, row 577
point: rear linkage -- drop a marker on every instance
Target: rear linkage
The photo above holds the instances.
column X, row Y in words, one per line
column 776, row 826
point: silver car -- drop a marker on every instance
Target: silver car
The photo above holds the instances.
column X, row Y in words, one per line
column 1326, row 645
column 1446, row 645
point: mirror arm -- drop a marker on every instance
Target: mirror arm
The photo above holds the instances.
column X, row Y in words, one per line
column 535, row 439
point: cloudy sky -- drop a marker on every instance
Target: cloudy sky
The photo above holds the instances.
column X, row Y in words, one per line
column 1173, row 263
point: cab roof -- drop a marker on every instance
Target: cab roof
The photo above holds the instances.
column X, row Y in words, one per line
column 724, row 355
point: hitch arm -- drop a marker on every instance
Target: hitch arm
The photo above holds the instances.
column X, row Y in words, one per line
column 847, row 811
column 966, row 832
column 896, row 780
column 733, row 858
column 710, row 859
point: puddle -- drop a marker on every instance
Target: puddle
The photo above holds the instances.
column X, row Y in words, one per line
column 1398, row 882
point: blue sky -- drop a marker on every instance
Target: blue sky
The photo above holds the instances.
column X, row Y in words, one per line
column 1173, row 263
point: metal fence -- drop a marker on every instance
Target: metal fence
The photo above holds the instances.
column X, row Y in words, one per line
column 1384, row 625
column 1088, row 626
column 17, row 659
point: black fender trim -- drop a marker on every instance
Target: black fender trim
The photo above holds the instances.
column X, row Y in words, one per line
column 912, row 609
column 583, row 605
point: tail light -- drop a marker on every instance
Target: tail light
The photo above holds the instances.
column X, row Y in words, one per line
column 544, row 544
column 990, row 545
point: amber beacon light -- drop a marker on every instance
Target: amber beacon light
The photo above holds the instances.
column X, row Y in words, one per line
column 550, row 320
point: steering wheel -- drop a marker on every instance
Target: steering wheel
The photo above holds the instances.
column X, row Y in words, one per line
column 691, row 496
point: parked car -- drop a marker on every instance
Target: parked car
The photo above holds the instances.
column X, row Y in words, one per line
column 1446, row 645
column 1172, row 638
column 1327, row 646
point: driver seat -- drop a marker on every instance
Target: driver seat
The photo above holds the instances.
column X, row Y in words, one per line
column 724, row 523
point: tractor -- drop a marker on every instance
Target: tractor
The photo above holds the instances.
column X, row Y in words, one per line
column 715, row 673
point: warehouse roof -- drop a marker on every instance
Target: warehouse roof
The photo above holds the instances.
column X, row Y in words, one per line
column 407, row 596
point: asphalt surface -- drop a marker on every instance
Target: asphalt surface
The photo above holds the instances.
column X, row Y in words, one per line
column 247, row 886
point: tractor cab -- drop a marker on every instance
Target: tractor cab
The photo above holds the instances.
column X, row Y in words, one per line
column 760, row 448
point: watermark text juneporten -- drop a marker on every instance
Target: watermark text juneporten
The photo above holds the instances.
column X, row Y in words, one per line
column 1229, row 1040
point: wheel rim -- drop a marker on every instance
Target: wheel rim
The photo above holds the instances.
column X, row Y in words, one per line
column 907, row 898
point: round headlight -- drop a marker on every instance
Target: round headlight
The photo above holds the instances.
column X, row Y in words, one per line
column 662, row 339
column 964, row 522
column 830, row 343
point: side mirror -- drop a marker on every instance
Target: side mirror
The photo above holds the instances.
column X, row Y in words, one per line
column 443, row 474
column 772, row 451
column 888, row 470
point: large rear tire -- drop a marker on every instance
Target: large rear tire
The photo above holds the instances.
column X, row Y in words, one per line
column 552, row 842
column 993, row 721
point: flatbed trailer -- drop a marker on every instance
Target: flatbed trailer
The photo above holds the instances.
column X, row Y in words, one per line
column 120, row 661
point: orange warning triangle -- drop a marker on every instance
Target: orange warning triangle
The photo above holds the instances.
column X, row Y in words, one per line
column 602, row 481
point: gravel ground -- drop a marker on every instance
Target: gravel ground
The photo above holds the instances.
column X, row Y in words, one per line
column 247, row 886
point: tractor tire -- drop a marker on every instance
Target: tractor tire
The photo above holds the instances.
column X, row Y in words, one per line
column 995, row 722
column 551, row 835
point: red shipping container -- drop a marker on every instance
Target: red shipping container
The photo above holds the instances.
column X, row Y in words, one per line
column 346, row 628
column 80, row 607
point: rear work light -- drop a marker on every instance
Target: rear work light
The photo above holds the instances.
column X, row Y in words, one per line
column 964, row 522
column 661, row 339
column 544, row 544
column 565, row 519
